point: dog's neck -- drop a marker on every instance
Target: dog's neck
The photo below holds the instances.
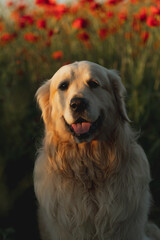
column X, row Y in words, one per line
column 90, row 163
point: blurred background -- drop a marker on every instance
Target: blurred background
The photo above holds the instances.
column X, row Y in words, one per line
column 38, row 37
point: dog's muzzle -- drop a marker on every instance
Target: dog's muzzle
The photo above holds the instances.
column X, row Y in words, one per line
column 84, row 130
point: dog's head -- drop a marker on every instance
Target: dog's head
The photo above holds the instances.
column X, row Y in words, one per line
column 83, row 101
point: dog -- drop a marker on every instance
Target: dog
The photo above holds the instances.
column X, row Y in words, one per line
column 91, row 177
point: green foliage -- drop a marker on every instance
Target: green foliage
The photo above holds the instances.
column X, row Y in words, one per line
column 6, row 234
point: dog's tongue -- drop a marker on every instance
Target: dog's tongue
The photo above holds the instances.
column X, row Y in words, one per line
column 81, row 128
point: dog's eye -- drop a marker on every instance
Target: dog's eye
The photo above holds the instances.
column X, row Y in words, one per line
column 63, row 86
column 93, row 83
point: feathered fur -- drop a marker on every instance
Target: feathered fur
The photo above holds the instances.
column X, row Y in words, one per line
column 96, row 190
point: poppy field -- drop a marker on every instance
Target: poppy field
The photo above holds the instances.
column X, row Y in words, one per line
column 37, row 38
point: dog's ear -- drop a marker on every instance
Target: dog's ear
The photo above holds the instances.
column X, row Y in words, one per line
column 42, row 95
column 119, row 91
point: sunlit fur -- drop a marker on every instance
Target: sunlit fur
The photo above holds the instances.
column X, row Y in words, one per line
column 97, row 189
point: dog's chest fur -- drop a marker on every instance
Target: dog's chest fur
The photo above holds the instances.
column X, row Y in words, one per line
column 75, row 206
column 83, row 193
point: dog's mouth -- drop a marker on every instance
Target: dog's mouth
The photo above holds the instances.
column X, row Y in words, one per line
column 81, row 126
column 83, row 129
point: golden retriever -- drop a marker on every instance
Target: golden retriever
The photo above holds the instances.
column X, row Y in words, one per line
column 91, row 177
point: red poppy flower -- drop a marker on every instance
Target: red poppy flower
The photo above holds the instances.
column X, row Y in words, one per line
column 31, row 37
column 122, row 16
column 10, row 4
column 152, row 21
column 155, row 10
column 21, row 7
column 59, row 10
column 50, row 33
column 53, row 2
column 102, row 33
column 39, row 2
column 80, row 23
column 113, row 2
column 109, row 14
column 142, row 14
column 84, row 36
column 45, row 2
column 94, row 6
column 66, row 63
column 57, row 55
column 41, row 24
column 28, row 18
column 144, row 36
column 7, row 37
column 25, row 20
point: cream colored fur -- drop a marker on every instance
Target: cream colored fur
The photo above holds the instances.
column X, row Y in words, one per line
column 95, row 189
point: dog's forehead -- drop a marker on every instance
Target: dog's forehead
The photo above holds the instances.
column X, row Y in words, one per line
column 81, row 71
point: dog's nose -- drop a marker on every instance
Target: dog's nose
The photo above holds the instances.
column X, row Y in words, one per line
column 78, row 104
